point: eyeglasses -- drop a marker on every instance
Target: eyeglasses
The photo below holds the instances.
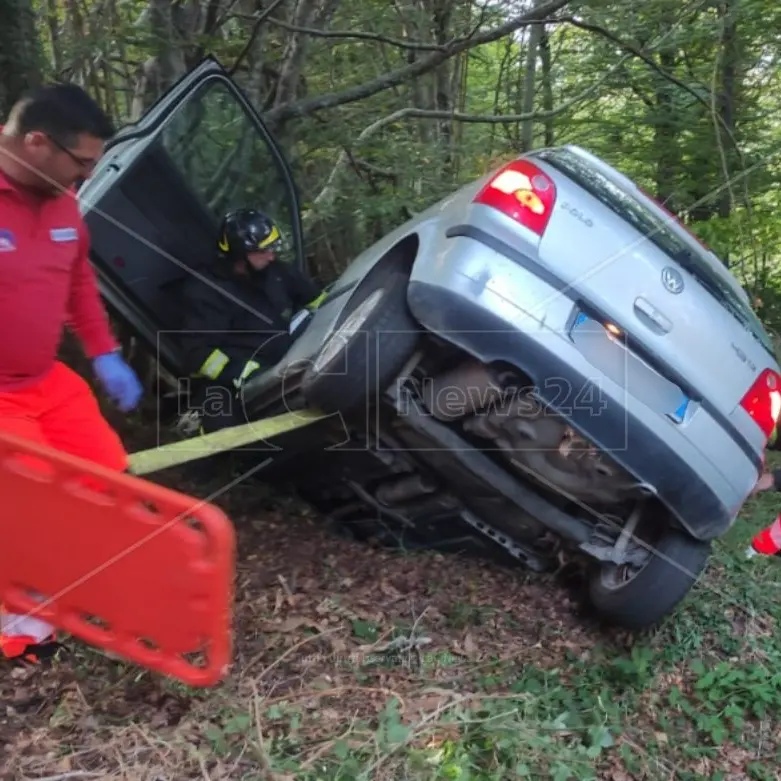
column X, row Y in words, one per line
column 82, row 162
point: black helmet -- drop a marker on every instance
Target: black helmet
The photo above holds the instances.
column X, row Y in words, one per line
column 247, row 230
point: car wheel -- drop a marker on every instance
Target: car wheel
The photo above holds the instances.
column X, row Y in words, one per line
column 377, row 335
column 637, row 598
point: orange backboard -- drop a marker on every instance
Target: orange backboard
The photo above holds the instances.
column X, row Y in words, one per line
column 123, row 564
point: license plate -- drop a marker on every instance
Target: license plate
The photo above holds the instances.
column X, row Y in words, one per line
column 667, row 398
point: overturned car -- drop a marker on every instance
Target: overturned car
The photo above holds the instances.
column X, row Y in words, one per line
column 545, row 362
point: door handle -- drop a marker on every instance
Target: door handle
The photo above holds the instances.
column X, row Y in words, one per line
column 650, row 316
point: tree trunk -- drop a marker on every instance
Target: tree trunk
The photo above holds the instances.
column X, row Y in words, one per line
column 727, row 99
column 547, row 86
column 529, row 80
column 667, row 151
column 441, row 18
column 21, row 59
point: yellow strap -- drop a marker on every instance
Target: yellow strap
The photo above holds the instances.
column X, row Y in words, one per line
column 192, row 449
column 214, row 364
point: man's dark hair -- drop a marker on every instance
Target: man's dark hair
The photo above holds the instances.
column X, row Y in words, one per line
column 63, row 111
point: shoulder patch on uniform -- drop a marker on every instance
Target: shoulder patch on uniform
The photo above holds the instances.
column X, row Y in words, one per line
column 7, row 240
column 64, row 234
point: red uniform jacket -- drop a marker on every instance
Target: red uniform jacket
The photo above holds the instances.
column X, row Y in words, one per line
column 46, row 283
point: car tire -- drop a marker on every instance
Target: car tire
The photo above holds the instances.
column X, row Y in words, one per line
column 371, row 342
column 665, row 579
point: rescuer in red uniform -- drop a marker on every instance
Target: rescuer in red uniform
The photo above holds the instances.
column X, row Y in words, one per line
column 767, row 542
column 52, row 140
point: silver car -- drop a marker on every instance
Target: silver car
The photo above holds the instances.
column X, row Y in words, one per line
column 545, row 365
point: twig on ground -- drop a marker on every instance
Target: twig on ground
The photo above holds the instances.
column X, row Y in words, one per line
column 285, row 586
column 287, row 653
column 263, row 757
column 68, row 776
column 433, row 716
column 327, row 745
column 318, row 693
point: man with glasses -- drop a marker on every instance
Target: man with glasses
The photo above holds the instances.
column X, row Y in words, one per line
column 52, row 140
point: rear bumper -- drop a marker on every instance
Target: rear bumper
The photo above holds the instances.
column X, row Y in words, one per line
column 597, row 415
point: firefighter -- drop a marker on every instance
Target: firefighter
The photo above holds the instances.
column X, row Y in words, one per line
column 240, row 318
column 51, row 141
column 767, row 542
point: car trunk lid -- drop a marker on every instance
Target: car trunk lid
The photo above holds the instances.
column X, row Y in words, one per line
column 635, row 263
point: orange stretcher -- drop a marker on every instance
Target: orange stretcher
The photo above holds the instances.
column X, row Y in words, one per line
column 123, row 564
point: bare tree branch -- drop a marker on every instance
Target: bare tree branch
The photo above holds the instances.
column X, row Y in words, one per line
column 648, row 60
column 328, row 193
column 357, row 35
column 636, row 52
column 294, row 54
column 306, row 106
column 259, row 19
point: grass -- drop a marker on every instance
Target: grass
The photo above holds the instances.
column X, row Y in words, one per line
column 359, row 664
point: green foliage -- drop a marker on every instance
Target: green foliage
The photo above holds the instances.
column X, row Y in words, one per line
column 682, row 98
column 21, row 55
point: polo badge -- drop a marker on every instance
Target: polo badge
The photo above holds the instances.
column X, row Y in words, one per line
column 64, row 234
column 7, row 241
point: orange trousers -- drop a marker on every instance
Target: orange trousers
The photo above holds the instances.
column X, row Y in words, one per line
column 60, row 411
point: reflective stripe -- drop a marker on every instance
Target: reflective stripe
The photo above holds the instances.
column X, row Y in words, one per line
column 775, row 532
column 249, row 367
column 270, row 239
column 12, row 625
column 214, row 364
column 314, row 303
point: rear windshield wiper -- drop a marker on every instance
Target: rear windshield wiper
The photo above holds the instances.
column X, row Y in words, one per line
column 730, row 302
column 688, row 260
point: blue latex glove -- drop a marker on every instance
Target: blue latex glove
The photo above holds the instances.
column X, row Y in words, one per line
column 118, row 380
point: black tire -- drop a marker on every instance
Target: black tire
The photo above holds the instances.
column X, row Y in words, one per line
column 655, row 589
column 373, row 356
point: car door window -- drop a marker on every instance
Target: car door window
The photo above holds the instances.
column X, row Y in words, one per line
column 227, row 162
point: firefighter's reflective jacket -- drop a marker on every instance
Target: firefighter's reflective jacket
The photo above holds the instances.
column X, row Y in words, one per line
column 232, row 325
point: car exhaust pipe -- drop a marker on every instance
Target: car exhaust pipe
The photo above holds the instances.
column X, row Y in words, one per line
column 462, row 391
column 462, row 456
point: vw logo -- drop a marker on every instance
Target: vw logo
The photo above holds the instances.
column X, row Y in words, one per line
column 672, row 280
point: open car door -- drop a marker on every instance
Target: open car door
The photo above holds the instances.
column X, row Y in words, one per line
column 153, row 205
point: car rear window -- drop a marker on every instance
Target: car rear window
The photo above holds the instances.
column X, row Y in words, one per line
column 656, row 230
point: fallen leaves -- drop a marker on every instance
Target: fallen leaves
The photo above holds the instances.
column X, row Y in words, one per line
column 292, row 624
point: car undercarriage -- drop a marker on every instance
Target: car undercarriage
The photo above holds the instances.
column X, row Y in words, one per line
column 493, row 472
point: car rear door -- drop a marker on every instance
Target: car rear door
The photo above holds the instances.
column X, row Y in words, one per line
column 154, row 203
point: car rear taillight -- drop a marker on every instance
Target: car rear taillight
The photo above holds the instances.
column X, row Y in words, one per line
column 521, row 191
column 763, row 401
